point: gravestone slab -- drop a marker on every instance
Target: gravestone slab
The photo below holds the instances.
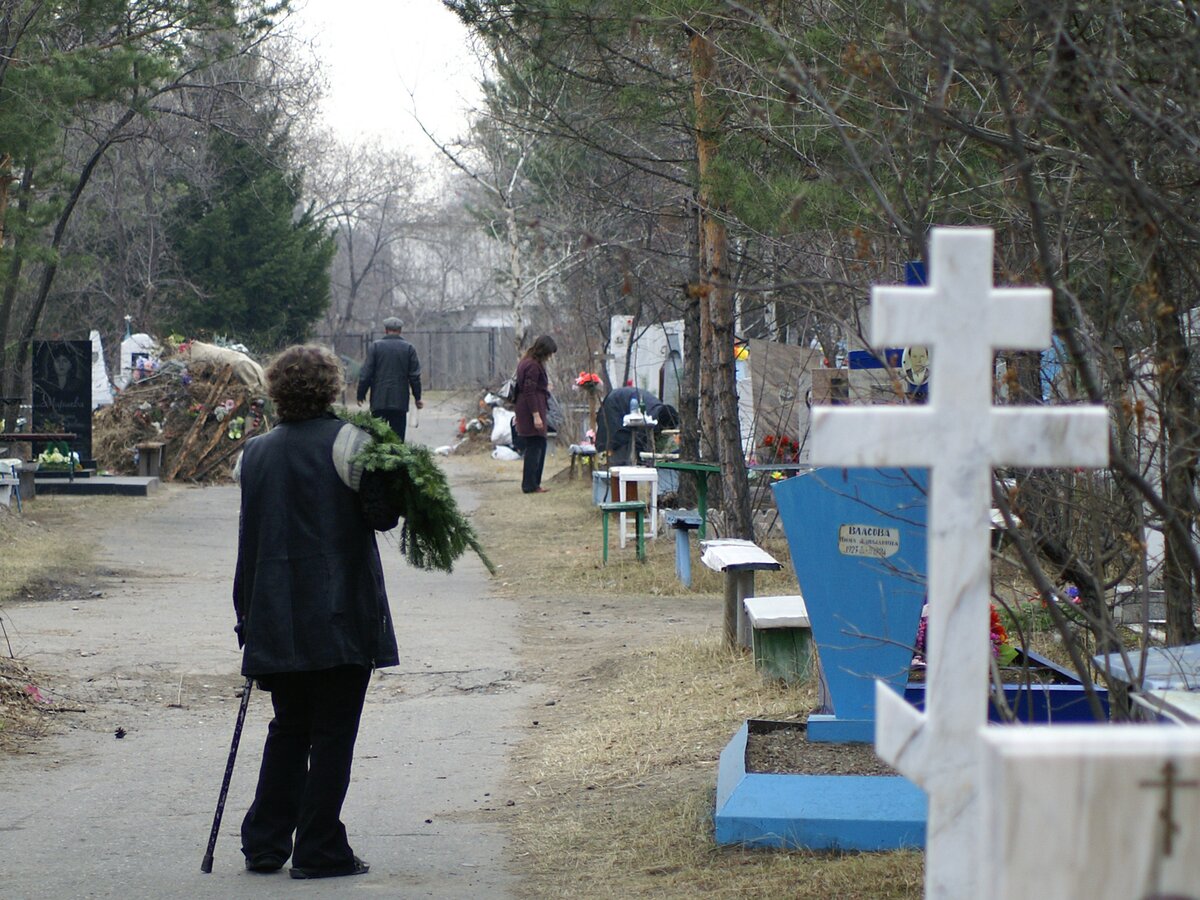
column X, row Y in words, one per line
column 62, row 392
column 1165, row 668
column 1091, row 813
column 857, row 539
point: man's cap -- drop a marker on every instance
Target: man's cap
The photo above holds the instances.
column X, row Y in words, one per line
column 393, row 324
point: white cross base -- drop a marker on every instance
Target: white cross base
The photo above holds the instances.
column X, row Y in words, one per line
column 963, row 319
column 1104, row 812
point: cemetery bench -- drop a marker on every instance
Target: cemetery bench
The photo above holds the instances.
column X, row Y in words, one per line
column 623, row 487
column 10, row 482
column 584, row 455
column 637, row 509
column 149, row 458
column 739, row 560
column 683, row 521
column 781, row 636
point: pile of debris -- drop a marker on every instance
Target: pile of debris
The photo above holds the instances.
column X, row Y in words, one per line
column 22, row 705
column 200, row 402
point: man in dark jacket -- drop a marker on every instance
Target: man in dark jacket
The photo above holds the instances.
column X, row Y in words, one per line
column 612, row 435
column 312, row 615
column 390, row 371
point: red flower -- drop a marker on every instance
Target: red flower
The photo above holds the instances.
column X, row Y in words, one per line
column 999, row 633
column 769, row 440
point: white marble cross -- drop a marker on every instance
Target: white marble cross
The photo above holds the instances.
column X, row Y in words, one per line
column 963, row 319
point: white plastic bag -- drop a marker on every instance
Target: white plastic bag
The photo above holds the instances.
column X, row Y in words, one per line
column 502, row 420
column 507, row 454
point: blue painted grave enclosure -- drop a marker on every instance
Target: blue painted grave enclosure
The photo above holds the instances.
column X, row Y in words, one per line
column 858, row 544
column 857, row 539
column 815, row 812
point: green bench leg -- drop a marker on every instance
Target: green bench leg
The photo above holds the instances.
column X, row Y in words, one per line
column 641, row 535
column 604, row 528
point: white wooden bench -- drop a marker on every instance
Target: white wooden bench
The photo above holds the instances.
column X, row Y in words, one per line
column 781, row 636
column 10, row 482
column 739, row 560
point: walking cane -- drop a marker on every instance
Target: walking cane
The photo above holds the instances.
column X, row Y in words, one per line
column 206, row 865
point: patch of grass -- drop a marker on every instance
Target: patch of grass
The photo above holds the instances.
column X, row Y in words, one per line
column 559, row 532
column 39, row 545
column 620, row 796
column 617, row 790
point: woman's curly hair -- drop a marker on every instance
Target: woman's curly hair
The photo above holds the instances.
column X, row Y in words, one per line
column 303, row 380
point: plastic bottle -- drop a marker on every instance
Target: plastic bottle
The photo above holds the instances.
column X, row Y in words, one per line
column 633, row 405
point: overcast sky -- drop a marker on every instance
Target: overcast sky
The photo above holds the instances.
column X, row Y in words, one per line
column 378, row 53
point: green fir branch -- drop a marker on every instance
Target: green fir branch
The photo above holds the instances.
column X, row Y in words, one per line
column 435, row 532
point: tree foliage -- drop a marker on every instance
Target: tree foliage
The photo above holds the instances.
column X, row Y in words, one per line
column 836, row 136
column 260, row 271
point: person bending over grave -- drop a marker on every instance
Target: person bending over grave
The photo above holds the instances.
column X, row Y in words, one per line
column 312, row 614
column 613, row 437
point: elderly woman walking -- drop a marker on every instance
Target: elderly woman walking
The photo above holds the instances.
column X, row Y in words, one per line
column 312, row 614
column 533, row 403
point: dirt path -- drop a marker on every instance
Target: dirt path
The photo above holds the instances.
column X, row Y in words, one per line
column 145, row 645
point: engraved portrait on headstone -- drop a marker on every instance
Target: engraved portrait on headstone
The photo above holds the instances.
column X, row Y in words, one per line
column 62, row 391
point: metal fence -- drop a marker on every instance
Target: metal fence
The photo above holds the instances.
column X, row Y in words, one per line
column 451, row 359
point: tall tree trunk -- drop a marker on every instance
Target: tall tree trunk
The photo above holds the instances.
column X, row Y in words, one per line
column 716, row 293
column 689, row 388
column 1180, row 446
column 11, row 378
column 520, row 317
column 50, row 270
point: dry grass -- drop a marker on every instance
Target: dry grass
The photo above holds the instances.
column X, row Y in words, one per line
column 22, row 714
column 624, row 791
column 617, row 789
column 38, row 545
column 39, row 549
column 561, row 530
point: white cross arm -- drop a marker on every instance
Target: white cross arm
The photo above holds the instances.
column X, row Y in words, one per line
column 901, row 735
column 867, row 436
column 1040, row 436
column 1009, row 319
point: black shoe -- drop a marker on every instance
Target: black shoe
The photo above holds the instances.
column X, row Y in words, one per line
column 264, row 864
column 358, row 867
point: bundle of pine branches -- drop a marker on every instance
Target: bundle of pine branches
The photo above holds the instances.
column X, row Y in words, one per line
column 435, row 533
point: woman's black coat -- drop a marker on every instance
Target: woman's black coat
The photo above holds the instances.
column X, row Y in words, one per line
column 308, row 589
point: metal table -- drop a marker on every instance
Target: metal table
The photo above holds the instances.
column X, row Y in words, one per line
column 701, row 470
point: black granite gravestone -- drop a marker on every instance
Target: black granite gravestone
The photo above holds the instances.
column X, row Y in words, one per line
column 62, row 392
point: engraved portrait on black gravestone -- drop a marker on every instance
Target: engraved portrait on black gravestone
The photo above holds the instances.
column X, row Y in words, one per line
column 62, row 391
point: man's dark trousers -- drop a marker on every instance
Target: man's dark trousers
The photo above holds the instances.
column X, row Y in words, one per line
column 306, row 768
column 397, row 418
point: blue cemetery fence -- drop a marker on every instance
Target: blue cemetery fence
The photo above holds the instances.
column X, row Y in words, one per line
column 857, row 540
column 864, row 609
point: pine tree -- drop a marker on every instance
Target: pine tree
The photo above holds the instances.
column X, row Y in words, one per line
column 259, row 271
